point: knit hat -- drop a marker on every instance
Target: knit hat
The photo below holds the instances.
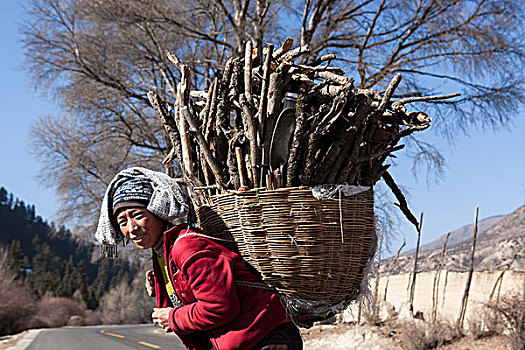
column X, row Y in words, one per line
column 167, row 201
column 132, row 193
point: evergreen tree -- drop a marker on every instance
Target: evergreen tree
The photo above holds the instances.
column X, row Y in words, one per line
column 49, row 260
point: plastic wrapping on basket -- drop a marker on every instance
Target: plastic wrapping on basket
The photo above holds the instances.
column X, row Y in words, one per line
column 305, row 312
column 325, row 192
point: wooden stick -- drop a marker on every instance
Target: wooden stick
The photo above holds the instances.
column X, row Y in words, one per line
column 435, row 288
column 298, row 51
column 340, row 79
column 203, row 114
column 208, row 177
column 169, row 126
column 402, row 201
column 264, row 95
column 248, row 73
column 393, row 265
column 422, row 99
column 251, row 134
column 507, row 267
column 213, row 108
column 313, row 142
column 240, row 166
column 388, row 93
column 464, row 300
column 231, row 163
column 222, row 120
column 376, row 287
column 269, row 184
column 187, row 159
column 444, row 290
column 293, row 155
column 414, row 271
column 208, row 156
column 322, row 59
column 361, row 117
column 287, row 45
column 175, row 60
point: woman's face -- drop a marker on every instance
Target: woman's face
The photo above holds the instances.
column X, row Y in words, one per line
column 141, row 227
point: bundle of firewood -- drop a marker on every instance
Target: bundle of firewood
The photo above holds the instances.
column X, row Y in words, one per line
column 272, row 122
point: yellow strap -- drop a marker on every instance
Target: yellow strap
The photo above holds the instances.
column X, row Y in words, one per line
column 165, row 273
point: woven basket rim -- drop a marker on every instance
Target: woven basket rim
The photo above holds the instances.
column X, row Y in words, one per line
column 280, row 189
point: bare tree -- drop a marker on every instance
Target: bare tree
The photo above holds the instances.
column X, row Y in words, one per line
column 99, row 59
column 127, row 303
column 17, row 304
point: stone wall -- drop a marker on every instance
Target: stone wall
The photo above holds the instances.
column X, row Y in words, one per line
column 450, row 290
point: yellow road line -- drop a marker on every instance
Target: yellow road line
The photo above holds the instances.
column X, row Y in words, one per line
column 111, row 334
column 150, row 345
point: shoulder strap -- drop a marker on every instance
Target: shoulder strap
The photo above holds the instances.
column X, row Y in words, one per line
column 167, row 281
column 200, row 235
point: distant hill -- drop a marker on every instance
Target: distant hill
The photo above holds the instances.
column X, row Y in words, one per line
column 499, row 239
column 50, row 260
column 459, row 235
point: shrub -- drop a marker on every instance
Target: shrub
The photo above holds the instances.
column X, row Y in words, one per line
column 510, row 311
column 56, row 312
column 92, row 318
column 17, row 304
column 420, row 335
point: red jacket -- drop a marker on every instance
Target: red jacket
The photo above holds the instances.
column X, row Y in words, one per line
column 203, row 274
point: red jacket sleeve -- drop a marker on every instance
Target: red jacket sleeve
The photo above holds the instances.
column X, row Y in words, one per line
column 210, row 276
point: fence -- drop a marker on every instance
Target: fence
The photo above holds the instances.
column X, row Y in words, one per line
column 450, row 287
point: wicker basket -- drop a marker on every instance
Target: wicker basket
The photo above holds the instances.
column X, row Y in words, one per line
column 298, row 243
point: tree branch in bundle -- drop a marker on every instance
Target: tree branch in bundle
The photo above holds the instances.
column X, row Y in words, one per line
column 264, row 95
column 175, row 60
column 322, row 59
column 169, row 125
column 248, row 73
column 389, row 180
column 406, row 100
column 297, row 52
column 287, row 45
column 388, row 93
column 213, row 108
column 293, row 158
column 205, row 148
column 251, row 134
column 187, row 156
column 346, row 139
column 336, row 78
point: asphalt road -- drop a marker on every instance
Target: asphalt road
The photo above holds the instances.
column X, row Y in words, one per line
column 125, row 337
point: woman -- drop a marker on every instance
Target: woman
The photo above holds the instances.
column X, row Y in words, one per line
column 204, row 292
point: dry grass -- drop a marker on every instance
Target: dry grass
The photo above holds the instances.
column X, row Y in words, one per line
column 509, row 313
column 420, row 335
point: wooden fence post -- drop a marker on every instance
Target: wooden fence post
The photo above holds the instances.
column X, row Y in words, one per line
column 414, row 272
column 464, row 301
column 435, row 289
column 394, row 261
column 376, row 288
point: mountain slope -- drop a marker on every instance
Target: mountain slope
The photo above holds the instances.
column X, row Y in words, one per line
column 499, row 240
column 461, row 234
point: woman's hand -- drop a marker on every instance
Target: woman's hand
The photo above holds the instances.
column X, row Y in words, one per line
column 150, row 283
column 160, row 316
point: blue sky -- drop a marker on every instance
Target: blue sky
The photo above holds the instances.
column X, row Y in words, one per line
column 485, row 169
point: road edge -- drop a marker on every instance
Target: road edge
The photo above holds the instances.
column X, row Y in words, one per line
column 24, row 341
